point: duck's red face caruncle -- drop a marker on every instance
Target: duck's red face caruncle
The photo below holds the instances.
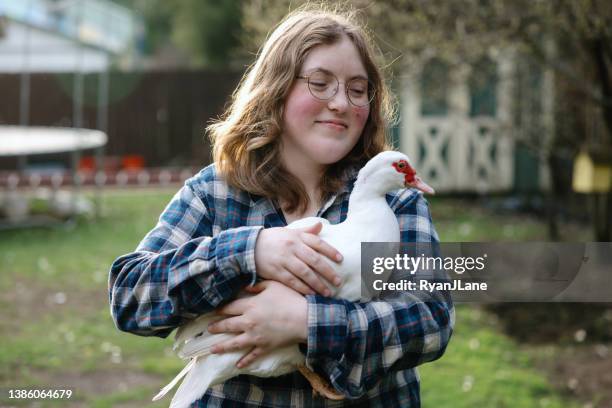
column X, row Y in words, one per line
column 410, row 177
column 404, row 167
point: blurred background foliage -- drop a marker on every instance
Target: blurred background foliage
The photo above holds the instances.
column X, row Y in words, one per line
column 207, row 31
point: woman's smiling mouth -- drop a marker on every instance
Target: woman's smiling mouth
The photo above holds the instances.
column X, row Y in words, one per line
column 334, row 124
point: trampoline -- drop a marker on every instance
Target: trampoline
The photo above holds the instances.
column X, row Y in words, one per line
column 28, row 141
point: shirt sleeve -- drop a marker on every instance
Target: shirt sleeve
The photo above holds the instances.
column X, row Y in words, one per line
column 355, row 344
column 180, row 270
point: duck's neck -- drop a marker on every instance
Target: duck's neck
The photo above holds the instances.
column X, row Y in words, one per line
column 364, row 199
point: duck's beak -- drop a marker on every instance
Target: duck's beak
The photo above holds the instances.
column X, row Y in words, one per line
column 421, row 185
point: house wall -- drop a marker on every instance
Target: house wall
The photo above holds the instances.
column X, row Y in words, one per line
column 29, row 49
column 466, row 140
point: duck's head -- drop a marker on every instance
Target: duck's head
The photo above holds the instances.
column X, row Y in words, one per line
column 391, row 170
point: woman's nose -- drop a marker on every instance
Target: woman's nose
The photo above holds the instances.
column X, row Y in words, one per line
column 339, row 102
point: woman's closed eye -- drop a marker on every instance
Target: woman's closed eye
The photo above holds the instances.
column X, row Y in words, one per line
column 358, row 87
column 319, row 84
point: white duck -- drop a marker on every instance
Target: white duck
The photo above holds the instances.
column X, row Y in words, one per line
column 369, row 219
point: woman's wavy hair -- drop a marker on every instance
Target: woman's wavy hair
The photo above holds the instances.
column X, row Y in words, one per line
column 246, row 139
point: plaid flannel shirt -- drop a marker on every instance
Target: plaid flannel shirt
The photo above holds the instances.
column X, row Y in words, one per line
column 201, row 254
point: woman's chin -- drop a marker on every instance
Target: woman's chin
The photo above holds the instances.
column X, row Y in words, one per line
column 329, row 158
column 331, row 153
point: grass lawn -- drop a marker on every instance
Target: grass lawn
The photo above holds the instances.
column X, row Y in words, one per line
column 56, row 331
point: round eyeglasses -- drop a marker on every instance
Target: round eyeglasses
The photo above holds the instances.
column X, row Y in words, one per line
column 324, row 85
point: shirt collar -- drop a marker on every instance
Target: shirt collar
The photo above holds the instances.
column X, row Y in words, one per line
column 349, row 177
column 266, row 207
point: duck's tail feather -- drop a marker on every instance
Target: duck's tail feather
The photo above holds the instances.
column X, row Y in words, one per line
column 176, row 379
column 194, row 385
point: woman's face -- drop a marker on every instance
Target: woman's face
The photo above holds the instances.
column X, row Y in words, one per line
column 321, row 132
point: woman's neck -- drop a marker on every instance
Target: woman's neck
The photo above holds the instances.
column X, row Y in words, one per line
column 311, row 211
column 309, row 176
column 308, row 173
column 313, row 205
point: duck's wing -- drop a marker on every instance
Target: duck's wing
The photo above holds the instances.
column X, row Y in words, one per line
column 193, row 329
column 199, row 326
column 193, row 339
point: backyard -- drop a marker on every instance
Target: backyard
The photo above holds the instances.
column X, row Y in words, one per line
column 56, row 331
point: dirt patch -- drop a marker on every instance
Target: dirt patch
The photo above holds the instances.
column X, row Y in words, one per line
column 29, row 301
column 570, row 342
column 584, row 372
column 555, row 323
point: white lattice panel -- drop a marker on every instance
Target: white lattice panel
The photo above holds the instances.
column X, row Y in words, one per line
column 456, row 152
column 489, row 164
column 432, row 153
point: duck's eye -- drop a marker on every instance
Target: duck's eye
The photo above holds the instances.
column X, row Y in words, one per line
column 401, row 165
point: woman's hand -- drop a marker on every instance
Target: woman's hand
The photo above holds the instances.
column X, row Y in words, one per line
column 275, row 317
column 295, row 257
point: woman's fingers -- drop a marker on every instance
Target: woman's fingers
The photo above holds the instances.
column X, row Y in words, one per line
column 298, row 267
column 321, row 246
column 275, row 317
column 289, row 278
column 312, row 229
column 240, row 342
column 237, row 343
column 297, row 259
column 257, row 288
column 229, row 325
column 249, row 357
column 314, row 258
column 234, row 308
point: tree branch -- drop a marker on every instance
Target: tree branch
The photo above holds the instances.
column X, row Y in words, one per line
column 599, row 56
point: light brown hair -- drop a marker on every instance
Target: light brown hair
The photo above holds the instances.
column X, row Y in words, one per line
column 246, row 139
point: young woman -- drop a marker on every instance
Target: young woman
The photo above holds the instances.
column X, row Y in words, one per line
column 309, row 113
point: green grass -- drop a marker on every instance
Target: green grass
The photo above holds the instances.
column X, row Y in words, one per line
column 55, row 329
column 81, row 254
column 483, row 368
column 462, row 220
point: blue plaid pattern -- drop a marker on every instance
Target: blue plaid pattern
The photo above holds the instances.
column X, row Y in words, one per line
column 201, row 253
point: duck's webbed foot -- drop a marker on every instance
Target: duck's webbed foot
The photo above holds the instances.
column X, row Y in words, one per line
column 320, row 386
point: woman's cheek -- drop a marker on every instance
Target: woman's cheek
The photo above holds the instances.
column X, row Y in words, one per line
column 361, row 114
column 304, row 106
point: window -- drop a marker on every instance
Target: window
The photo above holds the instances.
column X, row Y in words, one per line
column 483, row 88
column 434, row 85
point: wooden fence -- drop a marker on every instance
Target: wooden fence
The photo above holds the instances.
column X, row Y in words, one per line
column 160, row 116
